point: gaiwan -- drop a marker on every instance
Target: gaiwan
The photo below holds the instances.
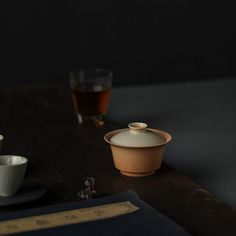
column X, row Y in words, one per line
column 137, row 150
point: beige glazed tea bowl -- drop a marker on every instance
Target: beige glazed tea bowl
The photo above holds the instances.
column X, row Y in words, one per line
column 137, row 151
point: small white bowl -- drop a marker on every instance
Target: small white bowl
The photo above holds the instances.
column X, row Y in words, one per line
column 1, row 141
column 12, row 172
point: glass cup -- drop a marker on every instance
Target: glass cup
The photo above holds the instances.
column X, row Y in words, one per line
column 91, row 91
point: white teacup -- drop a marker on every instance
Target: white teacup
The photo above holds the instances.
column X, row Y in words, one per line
column 12, row 172
column 1, row 141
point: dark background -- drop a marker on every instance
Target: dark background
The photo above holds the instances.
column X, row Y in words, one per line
column 142, row 41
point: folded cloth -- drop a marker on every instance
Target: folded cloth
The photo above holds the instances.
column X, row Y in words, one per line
column 144, row 221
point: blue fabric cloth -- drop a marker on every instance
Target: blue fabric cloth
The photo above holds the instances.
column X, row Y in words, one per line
column 145, row 221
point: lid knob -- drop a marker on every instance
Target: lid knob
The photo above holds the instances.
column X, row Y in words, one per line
column 137, row 126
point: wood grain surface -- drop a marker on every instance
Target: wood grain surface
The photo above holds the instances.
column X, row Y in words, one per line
column 39, row 123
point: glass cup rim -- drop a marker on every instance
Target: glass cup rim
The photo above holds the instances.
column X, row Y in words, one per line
column 91, row 74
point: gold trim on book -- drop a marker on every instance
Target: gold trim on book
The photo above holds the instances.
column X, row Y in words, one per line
column 61, row 218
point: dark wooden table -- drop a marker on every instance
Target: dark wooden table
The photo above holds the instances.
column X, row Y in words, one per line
column 39, row 123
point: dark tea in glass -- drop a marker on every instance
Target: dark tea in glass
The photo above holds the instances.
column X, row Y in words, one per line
column 90, row 93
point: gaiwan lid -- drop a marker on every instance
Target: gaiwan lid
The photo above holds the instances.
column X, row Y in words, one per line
column 137, row 136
